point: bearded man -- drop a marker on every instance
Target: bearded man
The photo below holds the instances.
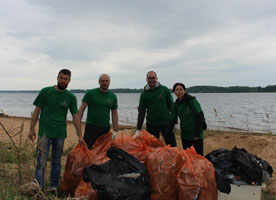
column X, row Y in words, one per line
column 52, row 104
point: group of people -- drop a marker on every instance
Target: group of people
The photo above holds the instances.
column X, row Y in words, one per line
column 155, row 103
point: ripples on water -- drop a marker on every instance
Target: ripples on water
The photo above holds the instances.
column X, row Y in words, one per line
column 250, row 112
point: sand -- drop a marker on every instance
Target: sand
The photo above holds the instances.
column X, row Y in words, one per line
column 262, row 145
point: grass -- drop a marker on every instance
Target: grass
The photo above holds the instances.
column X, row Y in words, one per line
column 9, row 175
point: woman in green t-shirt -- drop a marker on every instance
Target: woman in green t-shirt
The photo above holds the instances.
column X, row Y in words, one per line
column 187, row 108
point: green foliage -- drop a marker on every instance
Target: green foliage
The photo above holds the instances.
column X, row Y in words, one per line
column 231, row 89
column 193, row 89
column 116, row 90
column 8, row 154
column 267, row 196
column 67, row 151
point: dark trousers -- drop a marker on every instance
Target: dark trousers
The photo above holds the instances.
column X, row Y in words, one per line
column 92, row 133
column 198, row 145
column 167, row 135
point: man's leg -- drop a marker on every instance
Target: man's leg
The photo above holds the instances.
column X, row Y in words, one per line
column 43, row 147
column 57, row 149
column 168, row 135
column 198, row 145
column 92, row 133
column 153, row 130
column 186, row 143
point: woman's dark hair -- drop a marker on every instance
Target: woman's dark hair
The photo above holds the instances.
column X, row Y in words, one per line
column 176, row 84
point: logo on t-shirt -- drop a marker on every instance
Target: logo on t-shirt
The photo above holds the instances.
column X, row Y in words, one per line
column 160, row 96
column 64, row 104
column 187, row 110
column 108, row 101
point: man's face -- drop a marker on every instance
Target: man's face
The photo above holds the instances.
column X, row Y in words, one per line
column 104, row 82
column 152, row 79
column 63, row 81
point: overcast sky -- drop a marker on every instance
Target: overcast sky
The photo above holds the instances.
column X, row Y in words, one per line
column 197, row 42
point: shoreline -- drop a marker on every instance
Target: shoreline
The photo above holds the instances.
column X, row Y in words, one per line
column 131, row 126
column 120, row 126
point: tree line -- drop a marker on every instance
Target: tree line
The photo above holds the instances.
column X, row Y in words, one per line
column 193, row 89
column 231, row 89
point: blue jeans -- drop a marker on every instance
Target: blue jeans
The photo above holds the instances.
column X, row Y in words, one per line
column 57, row 149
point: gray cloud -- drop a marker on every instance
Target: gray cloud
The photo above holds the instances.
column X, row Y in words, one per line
column 203, row 42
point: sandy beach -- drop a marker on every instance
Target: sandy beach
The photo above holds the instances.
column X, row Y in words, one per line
column 262, row 145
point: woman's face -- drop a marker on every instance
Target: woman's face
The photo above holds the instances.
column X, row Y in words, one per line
column 179, row 92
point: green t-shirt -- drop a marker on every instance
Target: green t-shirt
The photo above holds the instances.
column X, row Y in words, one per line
column 99, row 106
column 158, row 103
column 54, row 107
column 187, row 116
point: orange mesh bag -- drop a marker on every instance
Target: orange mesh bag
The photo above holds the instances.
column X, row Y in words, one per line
column 102, row 144
column 161, row 165
column 150, row 140
column 196, row 179
column 98, row 151
column 121, row 139
column 139, row 146
column 138, row 149
column 85, row 191
column 77, row 159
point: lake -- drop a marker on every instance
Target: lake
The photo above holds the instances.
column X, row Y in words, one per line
column 250, row 112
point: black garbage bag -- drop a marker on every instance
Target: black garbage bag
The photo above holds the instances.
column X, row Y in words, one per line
column 238, row 164
column 123, row 177
column 222, row 161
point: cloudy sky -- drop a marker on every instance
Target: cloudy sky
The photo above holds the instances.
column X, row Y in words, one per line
column 197, row 42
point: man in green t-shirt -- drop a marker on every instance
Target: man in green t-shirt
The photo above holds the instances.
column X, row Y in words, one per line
column 155, row 102
column 100, row 101
column 52, row 104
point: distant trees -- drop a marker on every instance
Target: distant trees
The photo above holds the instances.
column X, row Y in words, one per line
column 231, row 89
column 193, row 89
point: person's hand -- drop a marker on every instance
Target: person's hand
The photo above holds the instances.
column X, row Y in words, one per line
column 136, row 134
column 32, row 135
column 114, row 133
column 82, row 142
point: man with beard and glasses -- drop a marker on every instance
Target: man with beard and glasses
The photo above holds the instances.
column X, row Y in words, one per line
column 52, row 104
column 155, row 102
column 100, row 101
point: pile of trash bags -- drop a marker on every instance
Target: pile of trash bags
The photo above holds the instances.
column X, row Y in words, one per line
column 142, row 167
column 122, row 177
column 237, row 166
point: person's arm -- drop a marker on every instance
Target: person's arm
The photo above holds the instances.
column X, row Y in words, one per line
column 114, row 115
column 140, row 118
column 141, row 111
column 82, row 109
column 77, row 124
column 32, row 133
column 173, row 117
column 169, row 100
column 198, row 125
column 199, row 117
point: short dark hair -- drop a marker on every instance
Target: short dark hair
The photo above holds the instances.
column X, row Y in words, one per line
column 65, row 72
column 177, row 84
